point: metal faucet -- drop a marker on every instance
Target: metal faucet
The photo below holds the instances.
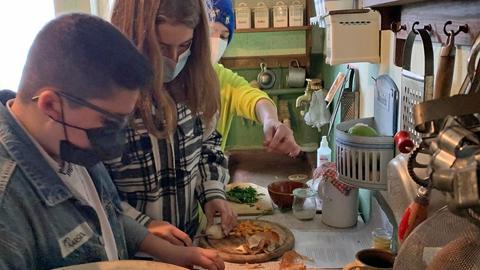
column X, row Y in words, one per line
column 303, row 101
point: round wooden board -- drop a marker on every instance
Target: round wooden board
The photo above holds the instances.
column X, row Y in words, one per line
column 123, row 265
column 227, row 246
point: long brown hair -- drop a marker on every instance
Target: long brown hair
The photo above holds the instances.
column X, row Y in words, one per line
column 137, row 20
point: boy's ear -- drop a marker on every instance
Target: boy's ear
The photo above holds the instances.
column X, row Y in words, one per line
column 50, row 103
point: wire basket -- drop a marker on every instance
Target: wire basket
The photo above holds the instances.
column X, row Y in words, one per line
column 362, row 161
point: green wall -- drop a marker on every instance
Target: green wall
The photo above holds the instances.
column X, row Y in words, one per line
column 246, row 134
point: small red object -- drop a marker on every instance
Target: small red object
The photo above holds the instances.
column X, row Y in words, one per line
column 403, row 226
column 404, row 143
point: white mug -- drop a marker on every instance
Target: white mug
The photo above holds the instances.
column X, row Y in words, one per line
column 338, row 210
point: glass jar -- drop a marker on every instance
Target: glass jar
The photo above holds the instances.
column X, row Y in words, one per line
column 304, row 203
column 381, row 238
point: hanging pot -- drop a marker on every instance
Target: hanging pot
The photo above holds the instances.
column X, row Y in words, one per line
column 266, row 78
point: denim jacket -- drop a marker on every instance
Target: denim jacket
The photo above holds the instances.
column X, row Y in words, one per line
column 42, row 225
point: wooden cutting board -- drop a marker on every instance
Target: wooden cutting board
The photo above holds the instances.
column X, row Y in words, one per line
column 227, row 246
column 261, row 207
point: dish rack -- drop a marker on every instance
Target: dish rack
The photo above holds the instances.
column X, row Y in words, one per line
column 362, row 161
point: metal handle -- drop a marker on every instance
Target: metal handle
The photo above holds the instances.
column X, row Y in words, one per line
column 263, row 66
column 295, row 61
column 444, row 76
column 469, row 79
column 427, row 50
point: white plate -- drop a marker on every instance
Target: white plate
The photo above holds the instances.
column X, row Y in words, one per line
column 123, row 265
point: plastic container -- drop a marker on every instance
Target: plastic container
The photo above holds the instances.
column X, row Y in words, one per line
column 363, row 161
column 324, row 153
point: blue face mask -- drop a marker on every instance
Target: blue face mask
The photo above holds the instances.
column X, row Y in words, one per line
column 172, row 69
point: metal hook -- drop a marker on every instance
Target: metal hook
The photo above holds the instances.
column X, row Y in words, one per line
column 461, row 28
column 427, row 27
column 413, row 27
column 397, row 27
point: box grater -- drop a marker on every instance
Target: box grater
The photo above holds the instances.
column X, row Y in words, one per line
column 415, row 88
column 350, row 100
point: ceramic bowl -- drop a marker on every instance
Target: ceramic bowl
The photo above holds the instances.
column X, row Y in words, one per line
column 281, row 192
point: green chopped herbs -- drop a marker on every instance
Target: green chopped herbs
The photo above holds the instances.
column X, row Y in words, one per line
column 247, row 195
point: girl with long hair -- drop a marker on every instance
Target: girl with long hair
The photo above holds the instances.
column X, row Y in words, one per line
column 173, row 162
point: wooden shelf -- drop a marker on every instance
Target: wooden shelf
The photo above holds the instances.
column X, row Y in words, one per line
column 275, row 61
column 272, row 61
column 271, row 29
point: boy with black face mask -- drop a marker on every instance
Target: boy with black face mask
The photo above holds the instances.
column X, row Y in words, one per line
column 58, row 206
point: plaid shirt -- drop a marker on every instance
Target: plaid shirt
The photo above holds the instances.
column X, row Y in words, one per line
column 165, row 179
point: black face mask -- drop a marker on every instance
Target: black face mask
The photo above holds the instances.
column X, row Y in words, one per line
column 106, row 142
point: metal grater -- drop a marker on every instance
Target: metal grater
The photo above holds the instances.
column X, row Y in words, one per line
column 349, row 100
column 415, row 88
column 350, row 106
column 411, row 94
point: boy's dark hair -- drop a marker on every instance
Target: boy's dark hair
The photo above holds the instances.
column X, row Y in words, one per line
column 85, row 56
column 6, row 95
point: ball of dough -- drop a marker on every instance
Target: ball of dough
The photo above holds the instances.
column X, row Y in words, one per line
column 215, row 232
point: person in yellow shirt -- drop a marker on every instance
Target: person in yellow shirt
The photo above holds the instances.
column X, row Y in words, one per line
column 237, row 96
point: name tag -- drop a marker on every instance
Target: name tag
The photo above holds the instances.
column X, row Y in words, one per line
column 6, row 172
column 75, row 239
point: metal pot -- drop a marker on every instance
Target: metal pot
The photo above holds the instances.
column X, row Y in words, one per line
column 266, row 78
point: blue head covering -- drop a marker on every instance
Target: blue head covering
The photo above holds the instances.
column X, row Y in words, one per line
column 223, row 12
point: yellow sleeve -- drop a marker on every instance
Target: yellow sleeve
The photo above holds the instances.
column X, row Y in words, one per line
column 237, row 97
